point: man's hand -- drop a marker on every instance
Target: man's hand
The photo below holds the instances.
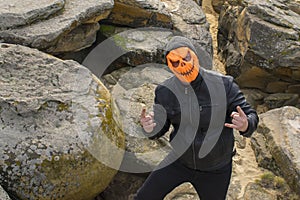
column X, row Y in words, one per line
column 147, row 121
column 239, row 120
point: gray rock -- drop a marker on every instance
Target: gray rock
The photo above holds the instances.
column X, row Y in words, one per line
column 280, row 128
column 142, row 45
column 259, row 41
column 57, row 128
column 262, row 153
column 15, row 13
column 185, row 191
column 254, row 97
column 281, row 99
column 140, row 13
column 256, row 192
column 190, row 12
column 184, row 16
column 3, row 194
column 46, row 33
column 134, row 90
column 79, row 38
column 240, row 141
column 189, row 19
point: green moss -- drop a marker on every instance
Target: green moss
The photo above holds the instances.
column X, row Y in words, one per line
column 109, row 126
column 107, row 30
column 15, row 103
column 279, row 182
column 43, row 106
column 59, row 106
column 69, row 173
column 56, row 168
column 120, row 41
column 271, row 60
column 62, row 107
column 271, row 181
column 284, row 53
column 267, row 179
column 18, row 163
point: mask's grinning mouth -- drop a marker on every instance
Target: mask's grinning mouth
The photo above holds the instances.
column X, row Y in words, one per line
column 187, row 73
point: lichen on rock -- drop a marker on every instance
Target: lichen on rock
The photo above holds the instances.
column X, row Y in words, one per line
column 54, row 115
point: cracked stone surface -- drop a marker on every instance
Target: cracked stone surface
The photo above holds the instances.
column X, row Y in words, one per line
column 57, row 127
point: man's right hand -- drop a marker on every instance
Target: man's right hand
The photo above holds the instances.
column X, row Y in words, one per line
column 147, row 121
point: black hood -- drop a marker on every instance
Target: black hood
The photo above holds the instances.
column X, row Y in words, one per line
column 205, row 59
column 179, row 41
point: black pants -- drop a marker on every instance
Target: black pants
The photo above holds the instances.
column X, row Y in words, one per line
column 212, row 185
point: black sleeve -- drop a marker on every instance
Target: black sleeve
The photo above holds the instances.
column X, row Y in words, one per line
column 236, row 98
column 160, row 118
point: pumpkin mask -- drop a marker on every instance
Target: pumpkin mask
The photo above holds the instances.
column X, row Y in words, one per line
column 184, row 63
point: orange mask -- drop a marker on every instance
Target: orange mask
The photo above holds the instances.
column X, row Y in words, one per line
column 184, row 63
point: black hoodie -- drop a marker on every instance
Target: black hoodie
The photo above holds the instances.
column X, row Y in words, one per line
column 197, row 113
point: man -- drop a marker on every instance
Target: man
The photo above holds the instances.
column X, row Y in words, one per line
column 203, row 107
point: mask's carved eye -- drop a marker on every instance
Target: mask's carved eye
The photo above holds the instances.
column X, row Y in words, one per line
column 175, row 63
column 188, row 57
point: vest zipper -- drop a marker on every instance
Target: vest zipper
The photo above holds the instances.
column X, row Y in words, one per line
column 186, row 91
column 194, row 155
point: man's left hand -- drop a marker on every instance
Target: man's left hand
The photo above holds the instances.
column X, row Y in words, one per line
column 239, row 120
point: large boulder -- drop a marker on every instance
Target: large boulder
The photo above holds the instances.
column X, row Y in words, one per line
column 50, row 34
column 60, row 137
column 185, row 16
column 133, row 47
column 134, row 90
column 277, row 141
column 139, row 46
column 281, row 99
column 79, row 38
column 140, row 13
column 189, row 19
column 259, row 42
column 18, row 13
